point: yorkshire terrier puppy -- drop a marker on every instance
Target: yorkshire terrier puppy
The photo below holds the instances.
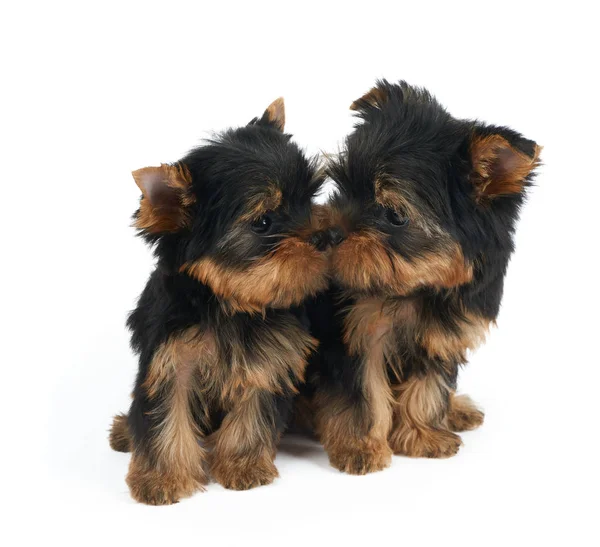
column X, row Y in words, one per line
column 221, row 348
column 426, row 207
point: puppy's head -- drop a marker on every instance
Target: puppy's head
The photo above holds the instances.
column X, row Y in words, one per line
column 235, row 214
column 424, row 198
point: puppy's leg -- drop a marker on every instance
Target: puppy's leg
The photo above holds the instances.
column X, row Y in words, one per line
column 168, row 457
column 463, row 414
column 419, row 423
column 245, row 444
column 353, row 413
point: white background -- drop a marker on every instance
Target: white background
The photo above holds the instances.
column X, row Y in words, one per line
column 90, row 93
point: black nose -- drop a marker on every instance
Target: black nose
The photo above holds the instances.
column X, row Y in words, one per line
column 336, row 235
column 320, row 240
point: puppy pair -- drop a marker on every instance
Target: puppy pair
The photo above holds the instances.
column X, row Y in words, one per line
column 422, row 225
column 427, row 205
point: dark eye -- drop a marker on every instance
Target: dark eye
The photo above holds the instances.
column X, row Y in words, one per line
column 395, row 218
column 262, row 224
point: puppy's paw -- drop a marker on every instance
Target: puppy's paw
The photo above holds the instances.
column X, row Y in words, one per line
column 236, row 475
column 425, row 443
column 463, row 414
column 119, row 438
column 361, row 459
column 153, row 487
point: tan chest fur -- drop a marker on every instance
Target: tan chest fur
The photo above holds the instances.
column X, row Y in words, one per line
column 384, row 328
column 223, row 370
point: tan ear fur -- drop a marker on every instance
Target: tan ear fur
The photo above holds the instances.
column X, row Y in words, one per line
column 165, row 198
column 375, row 98
column 499, row 169
column 275, row 114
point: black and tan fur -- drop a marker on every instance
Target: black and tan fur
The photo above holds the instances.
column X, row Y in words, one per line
column 427, row 206
column 219, row 329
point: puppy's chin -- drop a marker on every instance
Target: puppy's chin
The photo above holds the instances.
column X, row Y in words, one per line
column 364, row 263
column 294, row 271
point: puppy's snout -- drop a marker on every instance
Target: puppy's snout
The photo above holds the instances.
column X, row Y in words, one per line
column 335, row 235
column 320, row 240
column 324, row 238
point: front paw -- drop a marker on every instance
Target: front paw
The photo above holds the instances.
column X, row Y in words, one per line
column 153, row 487
column 243, row 475
column 425, row 443
column 362, row 458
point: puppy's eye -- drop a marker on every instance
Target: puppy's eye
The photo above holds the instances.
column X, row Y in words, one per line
column 395, row 218
column 262, row 224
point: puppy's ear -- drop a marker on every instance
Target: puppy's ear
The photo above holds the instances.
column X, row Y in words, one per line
column 501, row 162
column 165, row 200
column 375, row 98
column 274, row 115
